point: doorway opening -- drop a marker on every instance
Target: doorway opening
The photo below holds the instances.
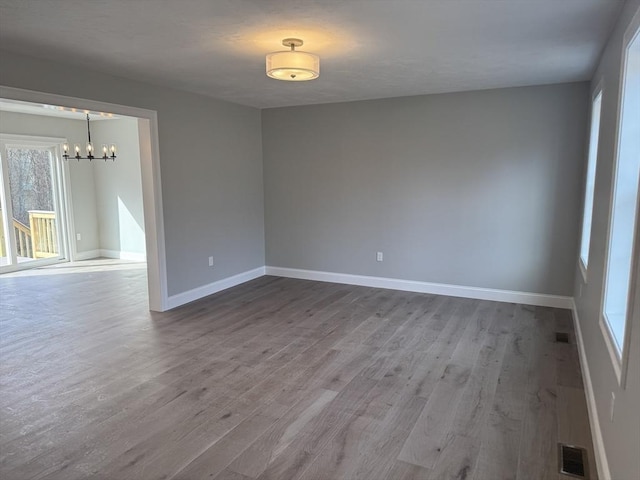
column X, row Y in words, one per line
column 80, row 210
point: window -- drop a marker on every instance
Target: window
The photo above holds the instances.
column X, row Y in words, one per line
column 591, row 180
column 624, row 206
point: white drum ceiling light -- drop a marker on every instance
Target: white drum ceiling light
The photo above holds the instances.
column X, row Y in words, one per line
column 293, row 65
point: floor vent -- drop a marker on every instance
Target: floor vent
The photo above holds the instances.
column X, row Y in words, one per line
column 572, row 461
column 562, row 337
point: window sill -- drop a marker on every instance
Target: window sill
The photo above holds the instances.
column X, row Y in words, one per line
column 583, row 270
column 614, row 353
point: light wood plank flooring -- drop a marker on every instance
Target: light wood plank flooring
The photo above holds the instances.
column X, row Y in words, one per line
column 279, row 379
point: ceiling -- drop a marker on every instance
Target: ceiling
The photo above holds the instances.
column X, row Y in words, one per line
column 368, row 48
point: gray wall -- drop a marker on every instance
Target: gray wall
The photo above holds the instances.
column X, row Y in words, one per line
column 119, row 187
column 211, row 167
column 478, row 189
column 622, row 436
column 81, row 174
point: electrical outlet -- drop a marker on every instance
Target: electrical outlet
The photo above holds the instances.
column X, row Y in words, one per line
column 613, row 405
column 379, row 256
column 211, row 261
column 78, row 237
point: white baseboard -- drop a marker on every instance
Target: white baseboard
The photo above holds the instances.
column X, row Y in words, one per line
column 88, row 255
column 598, row 442
column 133, row 256
column 426, row 287
column 190, row 295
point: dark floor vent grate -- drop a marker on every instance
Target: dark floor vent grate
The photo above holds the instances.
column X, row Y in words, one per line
column 562, row 337
column 572, row 461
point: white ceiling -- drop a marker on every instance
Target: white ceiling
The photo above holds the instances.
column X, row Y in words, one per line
column 368, row 48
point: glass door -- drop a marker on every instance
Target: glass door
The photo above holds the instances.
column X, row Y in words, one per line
column 33, row 226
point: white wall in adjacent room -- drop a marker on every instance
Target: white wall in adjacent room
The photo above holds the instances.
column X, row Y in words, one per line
column 119, row 188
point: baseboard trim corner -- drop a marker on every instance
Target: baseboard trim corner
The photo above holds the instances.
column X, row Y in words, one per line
column 179, row 299
column 598, row 442
column 425, row 287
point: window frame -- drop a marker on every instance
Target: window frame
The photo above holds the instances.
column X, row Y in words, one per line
column 620, row 359
column 598, row 91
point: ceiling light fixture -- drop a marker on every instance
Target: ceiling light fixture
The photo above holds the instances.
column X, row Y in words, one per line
column 107, row 152
column 293, row 65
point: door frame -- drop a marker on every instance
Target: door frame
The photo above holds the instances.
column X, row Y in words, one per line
column 151, row 181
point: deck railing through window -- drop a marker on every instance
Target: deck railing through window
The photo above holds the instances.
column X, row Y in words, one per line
column 44, row 236
column 38, row 240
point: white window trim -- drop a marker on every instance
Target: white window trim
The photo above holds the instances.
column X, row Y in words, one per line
column 620, row 361
column 598, row 90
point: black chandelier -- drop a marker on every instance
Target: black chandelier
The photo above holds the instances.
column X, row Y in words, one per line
column 107, row 152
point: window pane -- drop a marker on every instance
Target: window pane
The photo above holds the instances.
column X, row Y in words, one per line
column 591, row 177
column 625, row 200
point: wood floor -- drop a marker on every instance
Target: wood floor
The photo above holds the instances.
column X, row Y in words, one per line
column 279, row 379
